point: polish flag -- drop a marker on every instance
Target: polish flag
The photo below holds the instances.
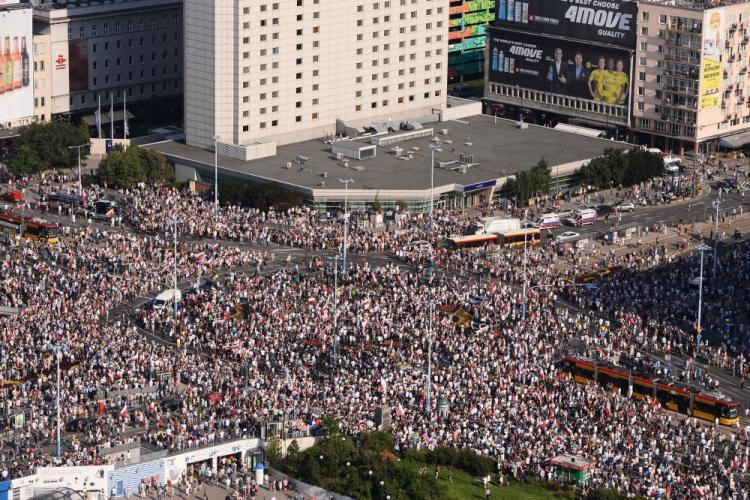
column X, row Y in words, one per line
column 124, row 411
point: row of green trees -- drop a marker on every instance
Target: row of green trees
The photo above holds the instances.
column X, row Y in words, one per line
column 528, row 183
column 367, row 467
column 125, row 168
column 622, row 168
column 45, row 146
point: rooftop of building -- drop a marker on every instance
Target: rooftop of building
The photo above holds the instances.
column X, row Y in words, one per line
column 696, row 4
column 493, row 149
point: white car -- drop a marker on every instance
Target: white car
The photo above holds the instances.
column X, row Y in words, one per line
column 418, row 246
column 625, row 206
column 567, row 236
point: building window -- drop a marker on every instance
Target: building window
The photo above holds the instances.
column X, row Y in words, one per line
column 81, row 32
column 315, row 116
column 297, row 118
column 642, row 76
column 106, row 28
column 274, row 123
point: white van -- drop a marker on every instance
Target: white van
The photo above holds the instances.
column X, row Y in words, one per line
column 167, row 298
column 548, row 221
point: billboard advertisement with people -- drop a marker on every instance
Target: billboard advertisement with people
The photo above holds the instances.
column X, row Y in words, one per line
column 559, row 67
column 611, row 22
column 713, row 45
column 16, row 73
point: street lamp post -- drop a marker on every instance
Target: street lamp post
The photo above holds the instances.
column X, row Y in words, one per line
column 58, row 349
column 346, row 217
column 701, row 249
column 174, row 223
column 335, row 306
column 80, row 181
column 523, row 306
column 716, row 205
column 216, row 176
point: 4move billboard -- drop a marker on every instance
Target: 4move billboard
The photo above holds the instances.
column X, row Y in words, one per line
column 558, row 66
column 602, row 21
column 16, row 75
column 713, row 45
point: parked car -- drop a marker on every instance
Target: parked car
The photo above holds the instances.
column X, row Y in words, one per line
column 625, row 206
column 567, row 236
column 604, row 209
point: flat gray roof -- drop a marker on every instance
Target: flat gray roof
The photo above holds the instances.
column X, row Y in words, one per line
column 500, row 149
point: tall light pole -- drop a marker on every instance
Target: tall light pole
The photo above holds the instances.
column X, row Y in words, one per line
column 335, row 306
column 80, row 181
column 216, row 176
column 523, row 306
column 58, row 349
column 428, row 381
column 716, row 205
column 346, row 217
column 701, row 249
column 174, row 223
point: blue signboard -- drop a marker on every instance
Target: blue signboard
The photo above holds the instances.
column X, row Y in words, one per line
column 479, row 185
column 108, row 145
column 4, row 489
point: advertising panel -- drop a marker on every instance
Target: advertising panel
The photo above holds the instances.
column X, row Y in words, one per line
column 602, row 21
column 78, row 69
column 713, row 44
column 16, row 75
column 560, row 67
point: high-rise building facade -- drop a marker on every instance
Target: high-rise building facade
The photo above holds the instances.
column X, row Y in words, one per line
column 466, row 36
column 103, row 50
column 265, row 72
column 691, row 87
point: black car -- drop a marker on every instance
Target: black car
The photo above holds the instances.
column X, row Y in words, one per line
column 605, row 209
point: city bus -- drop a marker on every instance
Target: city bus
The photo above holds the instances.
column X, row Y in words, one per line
column 471, row 240
column 510, row 239
column 14, row 225
column 675, row 396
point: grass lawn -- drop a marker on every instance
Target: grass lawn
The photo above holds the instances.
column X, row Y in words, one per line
column 466, row 486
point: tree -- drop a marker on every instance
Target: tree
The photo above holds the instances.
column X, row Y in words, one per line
column 50, row 142
column 126, row 168
column 26, row 162
column 273, row 451
column 154, row 165
column 122, row 169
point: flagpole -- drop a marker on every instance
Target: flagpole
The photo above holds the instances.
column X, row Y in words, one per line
column 112, row 116
column 124, row 115
column 99, row 115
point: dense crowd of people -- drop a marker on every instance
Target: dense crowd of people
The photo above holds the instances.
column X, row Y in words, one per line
column 285, row 340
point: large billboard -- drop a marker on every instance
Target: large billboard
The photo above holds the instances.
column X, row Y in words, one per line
column 713, row 45
column 602, row 21
column 16, row 74
column 78, row 67
column 561, row 67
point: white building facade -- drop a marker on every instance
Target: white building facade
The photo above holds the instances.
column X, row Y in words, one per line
column 263, row 72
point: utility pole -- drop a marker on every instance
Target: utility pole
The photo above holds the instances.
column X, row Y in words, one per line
column 58, row 349
column 346, row 217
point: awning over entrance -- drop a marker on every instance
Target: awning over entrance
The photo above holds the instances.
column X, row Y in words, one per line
column 735, row 141
column 90, row 120
column 572, row 129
